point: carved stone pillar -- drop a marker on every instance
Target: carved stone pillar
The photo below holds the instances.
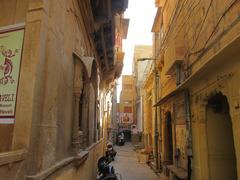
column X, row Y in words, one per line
column 202, row 112
column 75, row 134
column 201, row 137
column 85, row 118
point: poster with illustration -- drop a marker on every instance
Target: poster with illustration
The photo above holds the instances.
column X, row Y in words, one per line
column 11, row 43
column 126, row 118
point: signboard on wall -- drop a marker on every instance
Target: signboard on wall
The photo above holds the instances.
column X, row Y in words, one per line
column 11, row 44
column 126, row 117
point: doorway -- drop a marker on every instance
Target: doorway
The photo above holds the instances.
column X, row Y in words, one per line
column 169, row 138
column 221, row 151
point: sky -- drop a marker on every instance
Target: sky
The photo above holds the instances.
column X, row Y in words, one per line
column 141, row 14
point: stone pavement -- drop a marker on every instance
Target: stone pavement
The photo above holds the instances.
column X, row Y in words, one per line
column 127, row 165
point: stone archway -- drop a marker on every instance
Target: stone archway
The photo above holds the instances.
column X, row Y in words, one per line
column 82, row 88
column 220, row 143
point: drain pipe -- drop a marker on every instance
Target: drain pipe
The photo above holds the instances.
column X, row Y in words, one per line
column 160, row 134
column 189, row 132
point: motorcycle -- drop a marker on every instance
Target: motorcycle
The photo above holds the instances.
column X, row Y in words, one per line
column 121, row 140
column 110, row 153
column 105, row 170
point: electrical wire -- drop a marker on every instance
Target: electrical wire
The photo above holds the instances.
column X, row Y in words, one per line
column 202, row 24
column 215, row 27
column 220, row 19
column 212, row 33
column 182, row 24
column 186, row 18
column 191, row 8
column 177, row 11
column 172, row 18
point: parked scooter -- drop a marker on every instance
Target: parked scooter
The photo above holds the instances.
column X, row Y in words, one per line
column 121, row 139
column 110, row 153
column 105, row 170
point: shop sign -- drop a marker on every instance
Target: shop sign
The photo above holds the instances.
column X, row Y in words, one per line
column 11, row 44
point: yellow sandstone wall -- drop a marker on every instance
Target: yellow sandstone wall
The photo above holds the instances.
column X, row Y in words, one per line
column 148, row 112
column 205, row 35
column 128, row 95
column 87, row 170
column 44, row 113
column 228, row 85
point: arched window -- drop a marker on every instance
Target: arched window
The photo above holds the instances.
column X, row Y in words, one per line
column 85, row 102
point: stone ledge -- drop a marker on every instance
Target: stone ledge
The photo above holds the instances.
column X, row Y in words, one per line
column 94, row 144
column 12, row 156
column 79, row 159
column 178, row 172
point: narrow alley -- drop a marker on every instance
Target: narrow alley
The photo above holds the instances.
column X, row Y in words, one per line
column 126, row 163
column 79, row 78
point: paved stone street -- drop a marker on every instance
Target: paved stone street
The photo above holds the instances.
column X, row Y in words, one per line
column 127, row 165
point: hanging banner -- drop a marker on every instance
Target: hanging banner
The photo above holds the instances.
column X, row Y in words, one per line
column 11, row 44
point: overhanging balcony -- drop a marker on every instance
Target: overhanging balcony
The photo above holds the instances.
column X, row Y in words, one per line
column 104, row 35
column 174, row 56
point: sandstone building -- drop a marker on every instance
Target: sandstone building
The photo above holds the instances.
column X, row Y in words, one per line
column 196, row 47
column 127, row 113
column 140, row 70
column 57, row 60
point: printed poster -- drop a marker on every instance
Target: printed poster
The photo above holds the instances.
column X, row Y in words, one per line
column 126, row 118
column 11, row 44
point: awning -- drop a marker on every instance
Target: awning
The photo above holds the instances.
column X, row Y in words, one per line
column 167, row 97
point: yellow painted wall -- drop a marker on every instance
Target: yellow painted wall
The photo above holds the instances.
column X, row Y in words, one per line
column 205, row 35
